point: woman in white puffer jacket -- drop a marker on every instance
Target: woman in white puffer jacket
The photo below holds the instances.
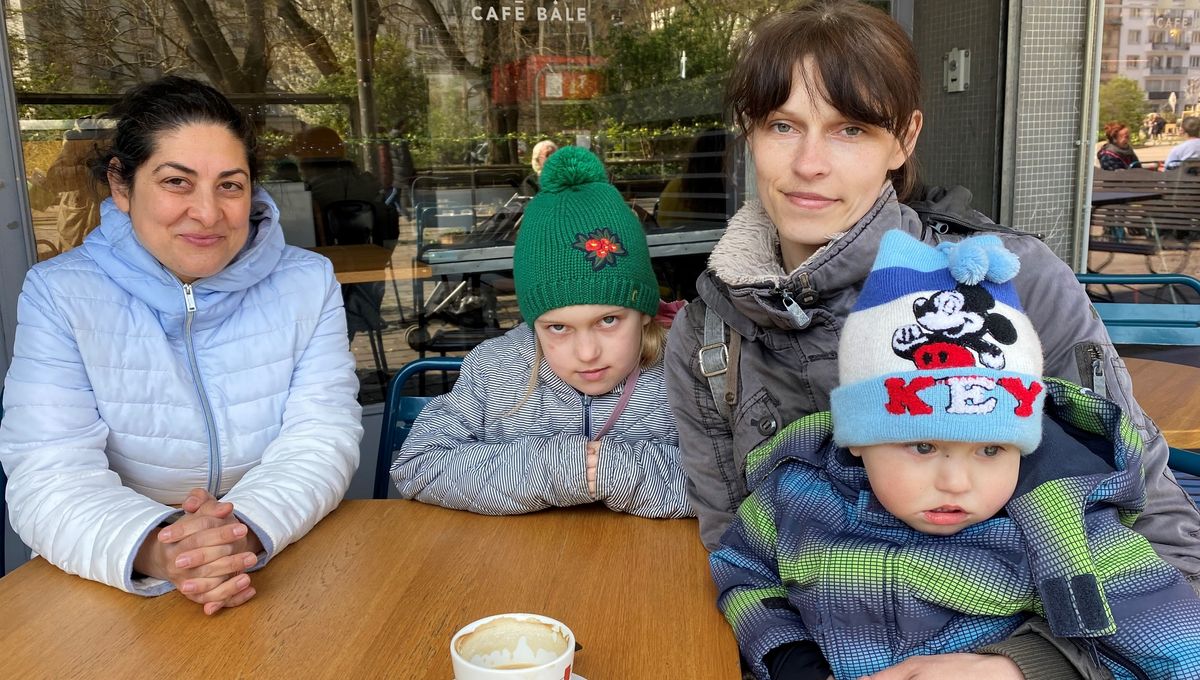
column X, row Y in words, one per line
column 183, row 354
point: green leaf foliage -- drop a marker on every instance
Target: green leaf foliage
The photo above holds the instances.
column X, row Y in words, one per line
column 1121, row 100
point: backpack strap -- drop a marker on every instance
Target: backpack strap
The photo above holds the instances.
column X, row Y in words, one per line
column 714, row 357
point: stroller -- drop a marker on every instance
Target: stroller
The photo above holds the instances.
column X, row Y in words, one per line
column 470, row 303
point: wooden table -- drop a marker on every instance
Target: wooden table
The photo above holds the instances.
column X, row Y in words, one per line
column 1100, row 198
column 377, row 590
column 365, row 263
column 1170, row 394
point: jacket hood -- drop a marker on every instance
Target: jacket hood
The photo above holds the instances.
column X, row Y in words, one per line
column 117, row 250
column 745, row 281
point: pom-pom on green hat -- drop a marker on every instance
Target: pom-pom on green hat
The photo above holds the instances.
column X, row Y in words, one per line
column 579, row 244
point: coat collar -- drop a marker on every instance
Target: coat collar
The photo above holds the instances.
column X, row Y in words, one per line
column 116, row 249
column 746, row 266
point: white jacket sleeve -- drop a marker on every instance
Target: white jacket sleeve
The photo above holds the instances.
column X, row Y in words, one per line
column 64, row 501
column 446, row 461
column 305, row 472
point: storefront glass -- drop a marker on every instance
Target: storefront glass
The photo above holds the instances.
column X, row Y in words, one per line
column 391, row 131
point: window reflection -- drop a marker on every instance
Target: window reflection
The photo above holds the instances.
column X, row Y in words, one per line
column 407, row 131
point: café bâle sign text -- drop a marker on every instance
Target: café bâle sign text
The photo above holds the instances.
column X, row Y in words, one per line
column 517, row 11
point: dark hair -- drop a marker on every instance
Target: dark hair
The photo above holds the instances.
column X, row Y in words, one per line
column 1191, row 126
column 164, row 105
column 1111, row 130
column 866, row 63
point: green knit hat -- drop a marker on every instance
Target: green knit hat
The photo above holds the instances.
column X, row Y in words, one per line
column 579, row 244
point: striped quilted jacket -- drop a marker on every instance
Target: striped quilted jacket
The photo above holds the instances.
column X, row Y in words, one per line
column 812, row 555
column 470, row 450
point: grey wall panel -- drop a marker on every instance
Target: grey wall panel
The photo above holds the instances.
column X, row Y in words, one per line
column 16, row 251
column 1046, row 98
column 960, row 143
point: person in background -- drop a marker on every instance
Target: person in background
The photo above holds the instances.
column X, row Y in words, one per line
column 541, row 152
column 332, row 177
column 350, row 210
column 78, row 195
column 569, row 407
column 950, row 482
column 403, row 168
column 827, row 97
column 1189, row 149
column 181, row 404
column 700, row 195
column 1117, row 154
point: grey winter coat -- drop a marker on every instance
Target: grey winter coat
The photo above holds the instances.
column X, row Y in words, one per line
column 787, row 367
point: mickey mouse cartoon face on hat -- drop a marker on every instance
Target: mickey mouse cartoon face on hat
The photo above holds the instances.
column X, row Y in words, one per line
column 952, row 328
column 938, row 348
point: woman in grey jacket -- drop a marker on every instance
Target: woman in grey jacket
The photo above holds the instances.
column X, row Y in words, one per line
column 827, row 97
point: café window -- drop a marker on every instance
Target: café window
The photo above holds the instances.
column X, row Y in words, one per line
column 412, row 180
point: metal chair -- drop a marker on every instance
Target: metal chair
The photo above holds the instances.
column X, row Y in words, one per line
column 1132, row 323
column 357, row 222
column 400, row 411
column 349, row 222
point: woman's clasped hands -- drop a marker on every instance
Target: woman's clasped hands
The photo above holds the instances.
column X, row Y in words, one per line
column 204, row 554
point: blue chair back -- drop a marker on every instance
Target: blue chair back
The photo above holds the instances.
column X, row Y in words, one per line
column 1131, row 323
column 399, row 413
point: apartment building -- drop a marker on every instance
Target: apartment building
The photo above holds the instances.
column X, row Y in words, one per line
column 1157, row 44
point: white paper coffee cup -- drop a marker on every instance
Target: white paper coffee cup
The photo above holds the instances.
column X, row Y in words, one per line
column 513, row 647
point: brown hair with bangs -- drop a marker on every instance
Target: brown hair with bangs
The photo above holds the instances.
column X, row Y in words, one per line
column 866, row 62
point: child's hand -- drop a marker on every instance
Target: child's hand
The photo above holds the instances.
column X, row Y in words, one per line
column 992, row 667
column 593, row 459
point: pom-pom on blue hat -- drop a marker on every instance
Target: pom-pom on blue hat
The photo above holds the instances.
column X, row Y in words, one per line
column 938, row 348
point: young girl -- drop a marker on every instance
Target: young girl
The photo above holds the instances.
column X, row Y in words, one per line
column 570, row 407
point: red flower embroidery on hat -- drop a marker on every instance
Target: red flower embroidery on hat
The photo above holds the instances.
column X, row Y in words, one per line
column 601, row 246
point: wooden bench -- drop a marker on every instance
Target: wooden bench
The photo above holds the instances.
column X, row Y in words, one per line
column 1151, row 226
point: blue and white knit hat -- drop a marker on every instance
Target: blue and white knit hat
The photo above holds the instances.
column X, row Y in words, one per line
column 938, row 348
